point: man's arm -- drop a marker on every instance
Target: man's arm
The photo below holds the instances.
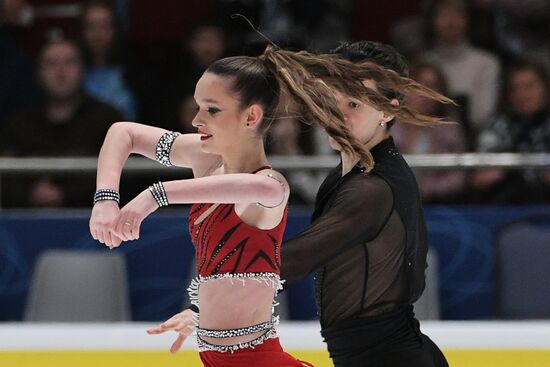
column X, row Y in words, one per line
column 360, row 210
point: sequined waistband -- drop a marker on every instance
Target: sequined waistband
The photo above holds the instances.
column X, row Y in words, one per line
column 205, row 346
column 229, row 333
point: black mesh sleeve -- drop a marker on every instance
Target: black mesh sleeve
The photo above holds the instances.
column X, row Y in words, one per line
column 359, row 210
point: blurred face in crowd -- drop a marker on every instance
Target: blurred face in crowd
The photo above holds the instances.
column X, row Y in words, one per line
column 450, row 23
column 430, row 78
column 10, row 10
column 207, row 44
column 98, row 29
column 527, row 93
column 362, row 119
column 60, row 70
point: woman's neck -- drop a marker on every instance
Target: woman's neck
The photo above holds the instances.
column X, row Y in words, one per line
column 245, row 160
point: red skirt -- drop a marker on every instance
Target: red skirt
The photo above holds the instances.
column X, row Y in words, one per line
column 268, row 354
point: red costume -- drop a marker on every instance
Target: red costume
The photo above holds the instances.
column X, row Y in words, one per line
column 225, row 244
column 226, row 247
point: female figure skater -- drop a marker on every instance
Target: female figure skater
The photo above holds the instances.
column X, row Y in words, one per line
column 240, row 210
column 367, row 242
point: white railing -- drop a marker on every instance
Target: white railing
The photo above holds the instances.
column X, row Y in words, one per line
column 420, row 161
column 462, row 161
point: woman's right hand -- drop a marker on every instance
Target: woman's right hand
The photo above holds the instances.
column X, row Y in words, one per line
column 183, row 323
column 104, row 214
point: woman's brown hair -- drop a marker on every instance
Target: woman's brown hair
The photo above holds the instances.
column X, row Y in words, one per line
column 310, row 80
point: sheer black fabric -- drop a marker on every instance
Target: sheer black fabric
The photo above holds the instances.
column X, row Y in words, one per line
column 389, row 340
column 367, row 244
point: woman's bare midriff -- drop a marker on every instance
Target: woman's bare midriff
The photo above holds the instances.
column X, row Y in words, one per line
column 229, row 303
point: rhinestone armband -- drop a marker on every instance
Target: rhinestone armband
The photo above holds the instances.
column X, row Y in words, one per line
column 164, row 146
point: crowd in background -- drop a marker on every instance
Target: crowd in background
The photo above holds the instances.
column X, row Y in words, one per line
column 68, row 69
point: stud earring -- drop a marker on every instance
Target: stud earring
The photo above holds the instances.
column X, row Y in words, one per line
column 382, row 124
column 247, row 124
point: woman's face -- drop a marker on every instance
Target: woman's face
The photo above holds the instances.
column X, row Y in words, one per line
column 220, row 119
column 526, row 92
column 362, row 119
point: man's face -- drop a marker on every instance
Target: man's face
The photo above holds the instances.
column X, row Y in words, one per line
column 60, row 70
column 360, row 118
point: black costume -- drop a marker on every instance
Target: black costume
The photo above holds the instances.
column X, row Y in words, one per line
column 368, row 245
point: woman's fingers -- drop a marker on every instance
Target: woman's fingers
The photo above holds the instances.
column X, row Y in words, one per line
column 114, row 241
column 118, row 226
column 135, row 230
column 177, row 344
column 94, row 233
column 127, row 227
column 100, row 236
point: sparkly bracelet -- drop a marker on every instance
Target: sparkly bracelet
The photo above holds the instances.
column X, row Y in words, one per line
column 106, row 194
column 159, row 194
column 164, row 146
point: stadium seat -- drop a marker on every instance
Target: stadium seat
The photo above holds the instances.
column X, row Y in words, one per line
column 427, row 306
column 78, row 286
column 522, row 253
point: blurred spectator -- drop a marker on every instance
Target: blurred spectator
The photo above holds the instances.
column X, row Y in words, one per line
column 523, row 125
column 105, row 73
column 472, row 74
column 436, row 186
column 376, row 20
column 316, row 25
column 166, row 82
column 157, row 21
column 482, row 25
column 408, row 34
column 290, row 137
column 205, row 45
column 523, row 29
column 17, row 86
column 66, row 122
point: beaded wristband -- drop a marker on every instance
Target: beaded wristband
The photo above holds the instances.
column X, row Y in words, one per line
column 159, row 194
column 106, row 194
column 164, row 146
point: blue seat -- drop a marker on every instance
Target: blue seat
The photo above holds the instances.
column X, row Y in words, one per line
column 522, row 264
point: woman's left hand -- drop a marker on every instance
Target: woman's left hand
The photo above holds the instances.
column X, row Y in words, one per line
column 128, row 223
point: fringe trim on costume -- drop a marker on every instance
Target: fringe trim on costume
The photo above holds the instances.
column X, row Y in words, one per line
column 269, row 278
column 272, row 279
